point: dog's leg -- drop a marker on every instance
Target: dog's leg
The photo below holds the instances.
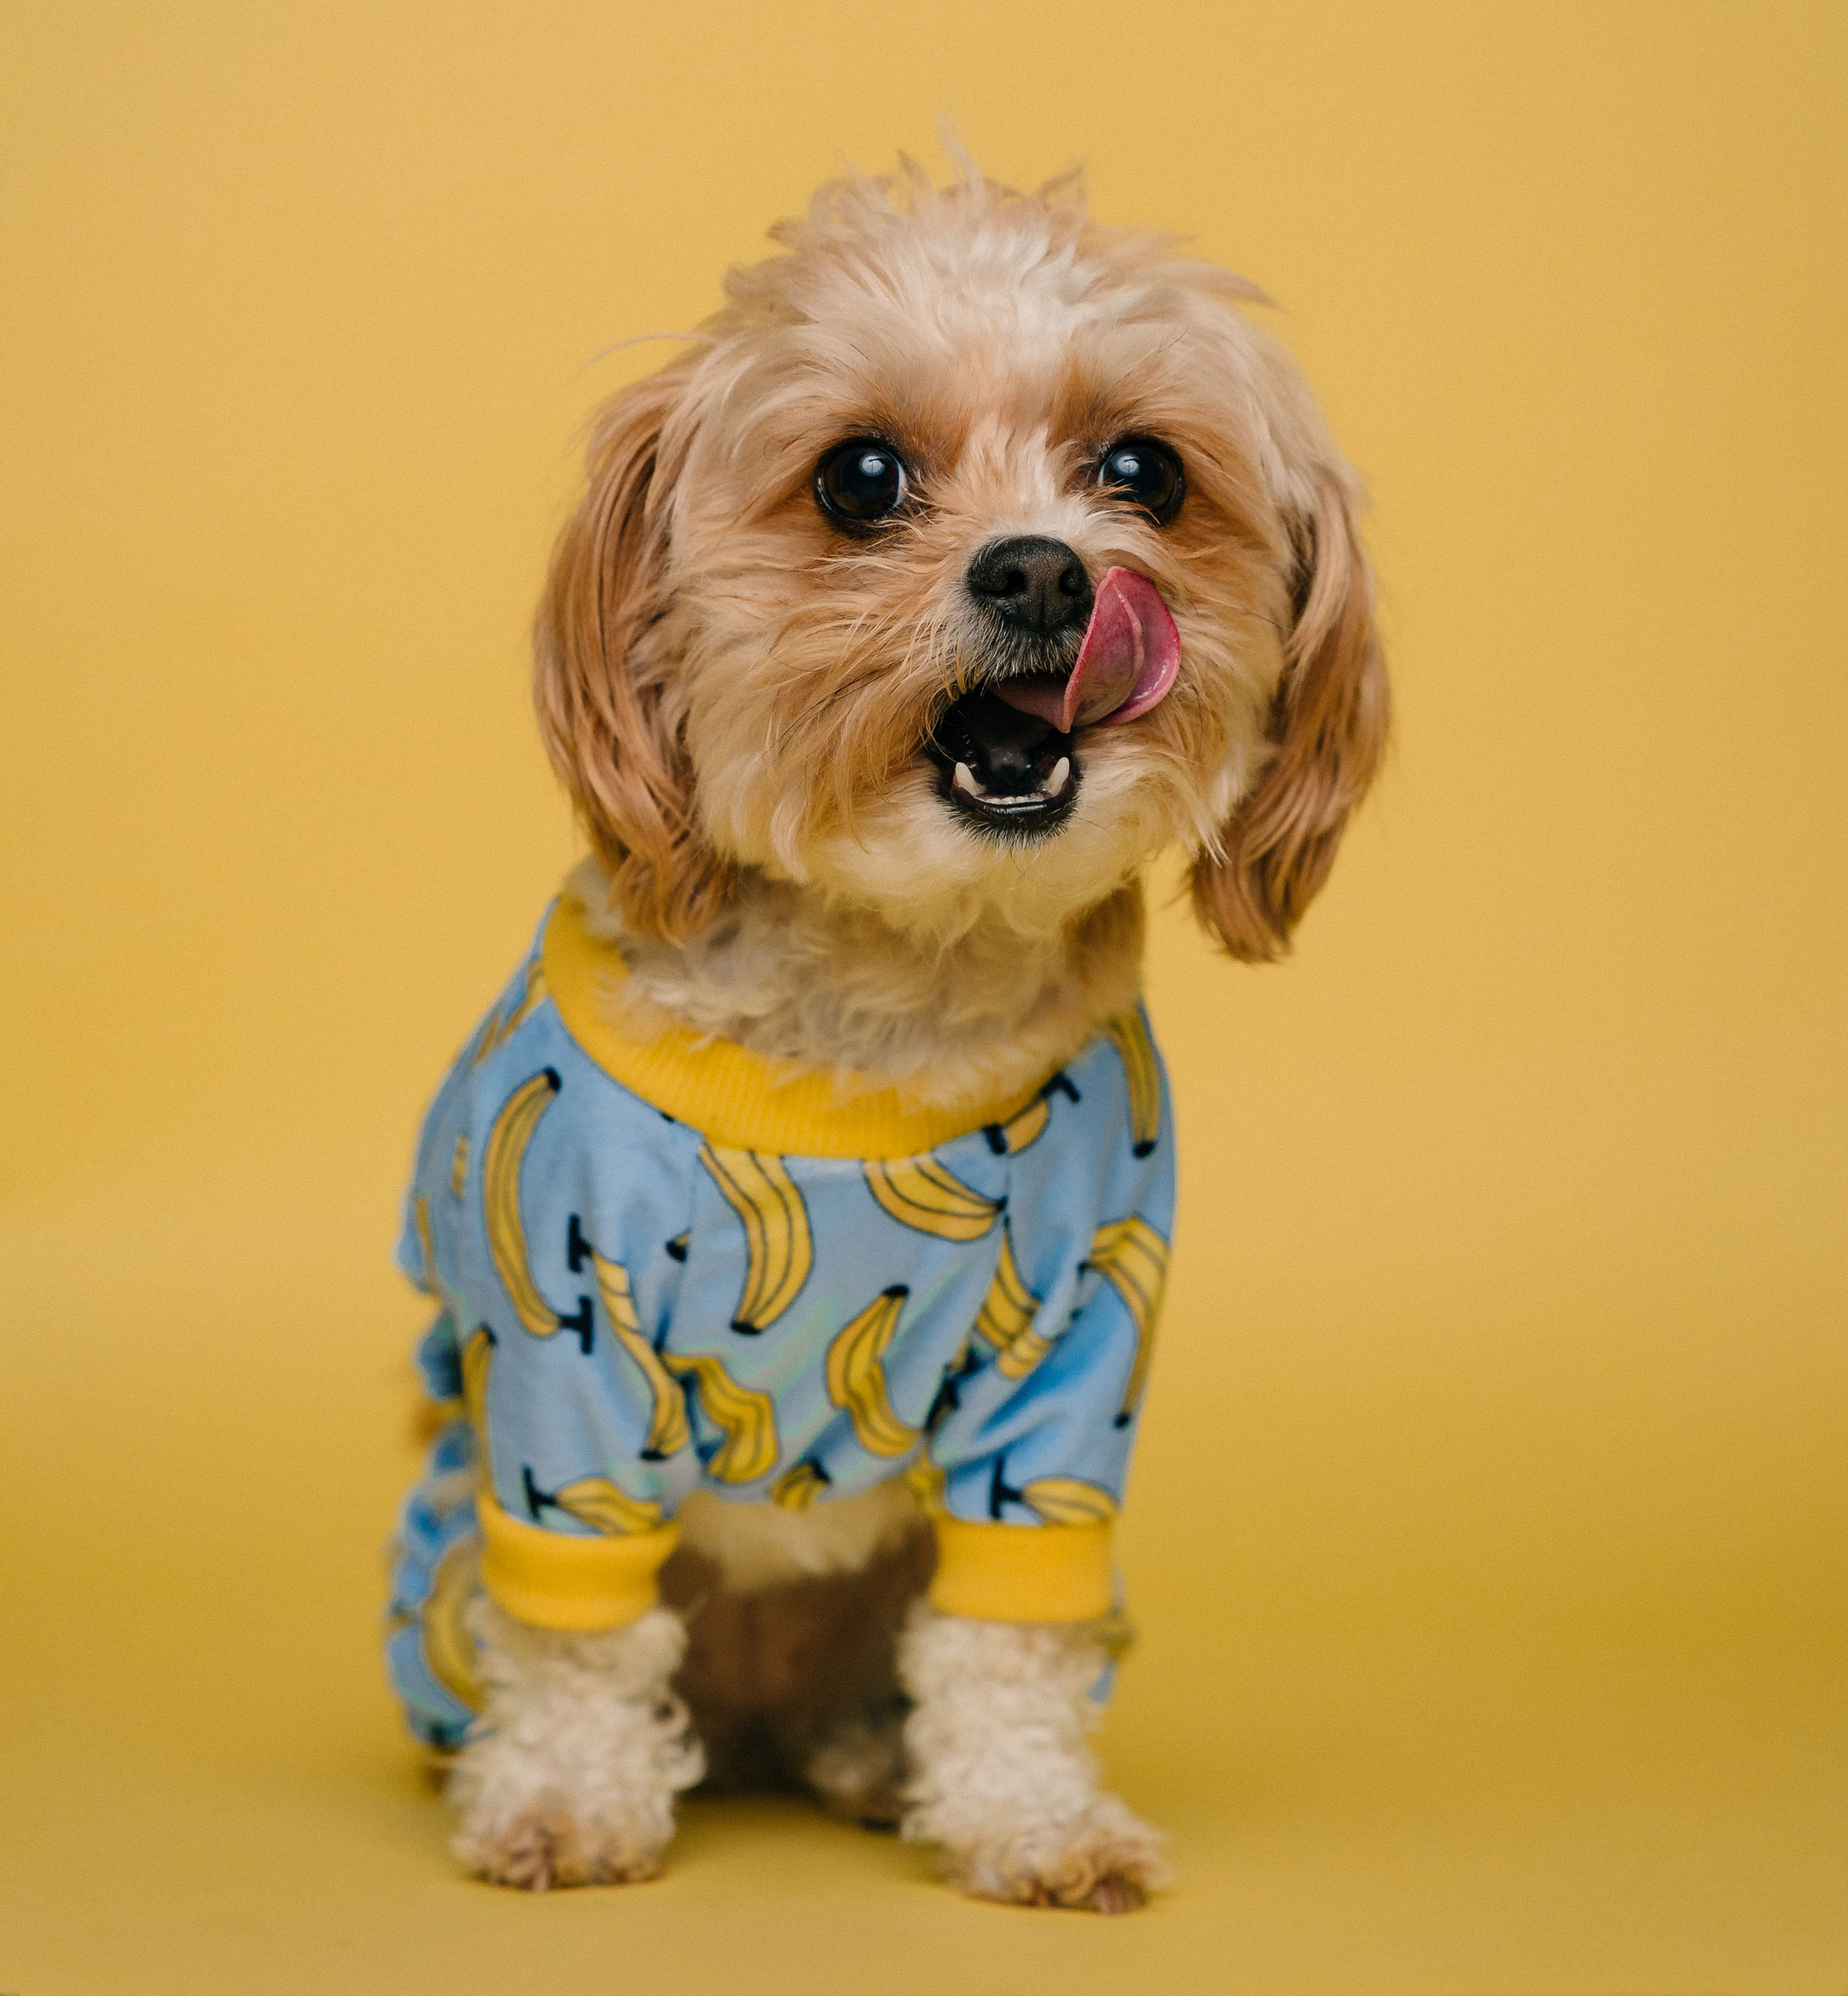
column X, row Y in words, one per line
column 569, row 1777
column 1001, row 1778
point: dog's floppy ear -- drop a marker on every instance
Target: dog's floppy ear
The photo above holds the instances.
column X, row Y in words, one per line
column 608, row 708
column 1327, row 729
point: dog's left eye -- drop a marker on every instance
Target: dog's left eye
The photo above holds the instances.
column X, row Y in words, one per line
column 861, row 480
column 1147, row 472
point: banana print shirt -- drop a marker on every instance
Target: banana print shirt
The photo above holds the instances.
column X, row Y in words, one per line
column 660, row 1265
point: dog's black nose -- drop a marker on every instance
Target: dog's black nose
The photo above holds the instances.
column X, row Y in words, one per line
column 1037, row 584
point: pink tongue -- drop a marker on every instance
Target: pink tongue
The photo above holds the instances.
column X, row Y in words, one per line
column 1126, row 665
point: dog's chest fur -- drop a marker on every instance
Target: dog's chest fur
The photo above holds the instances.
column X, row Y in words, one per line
column 781, row 973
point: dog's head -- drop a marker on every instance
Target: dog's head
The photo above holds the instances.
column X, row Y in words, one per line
column 972, row 554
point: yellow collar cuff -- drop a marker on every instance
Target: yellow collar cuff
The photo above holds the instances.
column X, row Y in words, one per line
column 727, row 1093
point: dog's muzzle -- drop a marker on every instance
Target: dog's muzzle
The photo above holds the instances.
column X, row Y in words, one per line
column 1006, row 749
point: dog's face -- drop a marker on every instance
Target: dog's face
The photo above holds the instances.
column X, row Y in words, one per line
column 820, row 612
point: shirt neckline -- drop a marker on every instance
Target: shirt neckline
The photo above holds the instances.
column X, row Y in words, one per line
column 730, row 1095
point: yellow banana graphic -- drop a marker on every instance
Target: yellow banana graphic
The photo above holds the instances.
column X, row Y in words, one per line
column 1133, row 1258
column 500, row 1196
column 920, row 1193
column 477, row 1357
column 1006, row 1318
column 927, row 1481
column 594, row 1501
column 1114, row 1633
column 747, row 1417
column 530, row 1001
column 1023, row 1354
column 799, row 1485
column 432, row 1284
column 448, row 1648
column 1064, row 1500
column 458, row 1165
column 668, row 1430
column 764, row 1197
column 500, row 1027
column 856, row 1375
column 487, row 1039
column 1006, row 1139
column 1130, row 1032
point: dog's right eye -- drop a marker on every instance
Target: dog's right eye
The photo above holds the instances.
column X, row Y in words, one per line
column 861, row 480
column 1147, row 474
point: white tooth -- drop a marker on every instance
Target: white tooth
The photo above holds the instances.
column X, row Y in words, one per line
column 964, row 780
column 1055, row 783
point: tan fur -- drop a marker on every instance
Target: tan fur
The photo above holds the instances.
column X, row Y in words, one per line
column 750, row 1546
column 604, row 694
column 731, row 687
column 794, row 1682
column 569, row 1777
column 1328, row 728
column 803, row 981
column 735, row 694
column 1002, row 1782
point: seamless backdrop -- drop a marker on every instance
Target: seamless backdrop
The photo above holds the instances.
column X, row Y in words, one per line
column 1488, row 1537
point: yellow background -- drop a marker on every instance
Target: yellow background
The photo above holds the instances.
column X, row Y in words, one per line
column 1489, row 1531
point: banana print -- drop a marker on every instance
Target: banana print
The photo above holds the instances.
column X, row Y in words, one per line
column 668, row 1430
column 1133, row 1258
column 477, row 1357
column 799, row 1485
column 977, row 1324
column 856, row 1375
column 926, row 1482
column 761, row 1192
column 1129, row 1033
column 448, row 1648
column 920, row 1193
column 501, row 1027
column 530, row 1000
column 500, row 1193
column 432, row 1284
column 607, row 1508
column 1066, row 1500
column 1009, row 1139
column 746, row 1417
column 1114, row 1633
column 1006, row 1318
column 1023, row 1354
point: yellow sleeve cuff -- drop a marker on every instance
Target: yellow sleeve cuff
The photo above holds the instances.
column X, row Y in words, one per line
column 1023, row 1573
column 556, row 1580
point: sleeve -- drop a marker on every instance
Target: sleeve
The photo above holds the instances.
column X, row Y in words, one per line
column 430, row 1249
column 571, row 1217
column 1027, row 1464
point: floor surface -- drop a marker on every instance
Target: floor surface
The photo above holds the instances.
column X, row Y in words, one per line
column 204, row 1791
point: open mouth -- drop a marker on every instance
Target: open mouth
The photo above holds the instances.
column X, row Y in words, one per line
column 1006, row 753
column 1001, row 768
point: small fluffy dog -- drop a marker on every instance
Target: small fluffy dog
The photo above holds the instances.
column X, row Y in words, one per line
column 799, row 1216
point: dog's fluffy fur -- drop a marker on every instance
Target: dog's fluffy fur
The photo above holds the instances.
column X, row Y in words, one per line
column 736, row 694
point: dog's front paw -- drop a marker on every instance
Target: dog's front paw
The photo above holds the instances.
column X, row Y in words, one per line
column 535, row 1813
column 548, row 1840
column 570, row 1777
column 1001, row 1781
column 1104, row 1860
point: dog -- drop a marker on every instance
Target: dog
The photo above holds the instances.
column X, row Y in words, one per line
column 798, row 1217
